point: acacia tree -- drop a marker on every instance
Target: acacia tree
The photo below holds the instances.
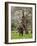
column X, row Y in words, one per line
column 27, row 20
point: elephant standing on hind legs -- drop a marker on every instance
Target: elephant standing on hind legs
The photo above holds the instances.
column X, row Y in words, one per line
column 23, row 26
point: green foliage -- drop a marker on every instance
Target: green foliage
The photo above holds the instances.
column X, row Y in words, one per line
column 15, row 35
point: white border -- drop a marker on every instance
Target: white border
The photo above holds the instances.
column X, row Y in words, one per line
column 9, row 22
